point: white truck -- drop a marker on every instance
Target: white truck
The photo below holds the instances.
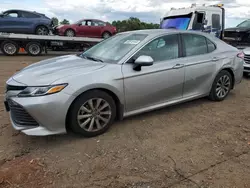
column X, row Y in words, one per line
column 209, row 19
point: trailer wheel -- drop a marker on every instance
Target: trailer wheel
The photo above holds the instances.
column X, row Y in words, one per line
column 33, row 48
column 10, row 48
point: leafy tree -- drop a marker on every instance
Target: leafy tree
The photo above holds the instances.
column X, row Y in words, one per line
column 133, row 24
column 64, row 22
column 55, row 21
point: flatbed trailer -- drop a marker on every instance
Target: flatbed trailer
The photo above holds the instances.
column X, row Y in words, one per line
column 34, row 45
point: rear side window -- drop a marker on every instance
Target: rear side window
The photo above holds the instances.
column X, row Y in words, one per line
column 194, row 44
column 216, row 21
column 29, row 15
column 210, row 46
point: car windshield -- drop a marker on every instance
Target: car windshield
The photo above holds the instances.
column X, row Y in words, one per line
column 114, row 49
column 180, row 22
column 244, row 24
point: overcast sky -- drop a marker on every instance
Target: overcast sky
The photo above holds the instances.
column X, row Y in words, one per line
column 109, row 10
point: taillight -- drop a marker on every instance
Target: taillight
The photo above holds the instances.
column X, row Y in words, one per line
column 241, row 55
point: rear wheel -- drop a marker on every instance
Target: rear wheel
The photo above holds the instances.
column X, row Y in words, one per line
column 221, row 86
column 33, row 48
column 92, row 113
column 106, row 35
column 42, row 30
column 10, row 48
column 70, row 33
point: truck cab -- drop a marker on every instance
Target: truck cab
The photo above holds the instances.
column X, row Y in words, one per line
column 209, row 19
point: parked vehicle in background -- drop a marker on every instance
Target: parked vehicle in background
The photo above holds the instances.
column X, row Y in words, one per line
column 87, row 28
column 25, row 22
column 208, row 19
column 140, row 71
column 247, row 61
column 239, row 35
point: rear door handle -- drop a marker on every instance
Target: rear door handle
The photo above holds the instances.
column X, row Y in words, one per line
column 215, row 59
column 178, row 66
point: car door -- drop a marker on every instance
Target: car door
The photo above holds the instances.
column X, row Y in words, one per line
column 96, row 28
column 156, row 84
column 27, row 21
column 200, row 65
column 9, row 22
column 85, row 28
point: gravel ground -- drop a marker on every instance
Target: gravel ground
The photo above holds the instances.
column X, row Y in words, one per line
column 196, row 144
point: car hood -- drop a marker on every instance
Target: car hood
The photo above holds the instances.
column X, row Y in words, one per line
column 237, row 29
column 48, row 71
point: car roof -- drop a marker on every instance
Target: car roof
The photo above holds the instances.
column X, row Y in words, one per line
column 18, row 10
column 156, row 32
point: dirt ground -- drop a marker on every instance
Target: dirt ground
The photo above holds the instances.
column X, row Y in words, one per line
column 196, row 144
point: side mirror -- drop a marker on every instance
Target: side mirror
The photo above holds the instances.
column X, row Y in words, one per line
column 143, row 60
column 205, row 22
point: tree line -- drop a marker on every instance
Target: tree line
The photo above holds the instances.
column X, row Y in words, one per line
column 122, row 25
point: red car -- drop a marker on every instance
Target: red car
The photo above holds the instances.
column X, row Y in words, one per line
column 87, row 28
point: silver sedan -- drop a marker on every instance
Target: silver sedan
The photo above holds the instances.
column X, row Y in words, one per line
column 130, row 73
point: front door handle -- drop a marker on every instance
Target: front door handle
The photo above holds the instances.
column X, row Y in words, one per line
column 178, row 66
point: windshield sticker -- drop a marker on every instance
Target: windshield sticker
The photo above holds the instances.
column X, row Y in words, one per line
column 134, row 42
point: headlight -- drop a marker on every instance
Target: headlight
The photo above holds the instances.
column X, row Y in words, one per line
column 41, row 91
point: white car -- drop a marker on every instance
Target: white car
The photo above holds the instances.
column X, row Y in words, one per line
column 247, row 61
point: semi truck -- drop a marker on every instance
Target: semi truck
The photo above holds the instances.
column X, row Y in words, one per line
column 209, row 19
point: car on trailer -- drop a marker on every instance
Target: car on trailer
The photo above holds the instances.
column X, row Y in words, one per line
column 25, row 22
column 87, row 28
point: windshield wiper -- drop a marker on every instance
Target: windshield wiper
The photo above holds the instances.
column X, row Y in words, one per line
column 92, row 58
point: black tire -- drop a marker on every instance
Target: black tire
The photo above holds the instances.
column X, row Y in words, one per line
column 213, row 94
column 106, row 35
column 70, row 33
column 42, row 30
column 10, row 48
column 33, row 48
column 83, row 99
column 246, row 74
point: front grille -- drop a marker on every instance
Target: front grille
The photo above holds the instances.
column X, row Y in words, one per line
column 20, row 116
column 15, row 88
column 231, row 34
column 247, row 59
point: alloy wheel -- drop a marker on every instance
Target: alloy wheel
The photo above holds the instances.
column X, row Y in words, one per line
column 223, row 86
column 10, row 48
column 42, row 31
column 94, row 115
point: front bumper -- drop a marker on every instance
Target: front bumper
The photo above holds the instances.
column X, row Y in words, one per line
column 246, row 68
column 48, row 111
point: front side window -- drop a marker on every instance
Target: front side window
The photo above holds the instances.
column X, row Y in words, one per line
column 115, row 48
column 29, row 15
column 194, row 44
column 162, row 49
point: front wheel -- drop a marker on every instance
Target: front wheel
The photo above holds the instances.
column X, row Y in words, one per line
column 69, row 33
column 92, row 113
column 222, row 86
